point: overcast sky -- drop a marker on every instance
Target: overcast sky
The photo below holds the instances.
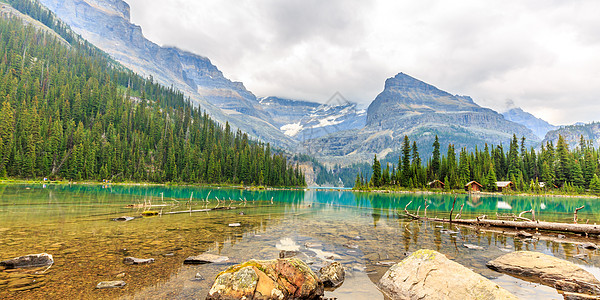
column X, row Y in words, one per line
column 543, row 56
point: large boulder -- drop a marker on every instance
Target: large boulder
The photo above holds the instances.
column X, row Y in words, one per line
column 288, row 278
column 428, row 274
column 549, row 270
column 29, row 261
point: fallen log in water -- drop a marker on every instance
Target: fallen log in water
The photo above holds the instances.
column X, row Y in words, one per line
column 575, row 228
column 197, row 210
column 536, row 225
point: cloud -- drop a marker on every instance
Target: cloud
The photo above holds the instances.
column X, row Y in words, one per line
column 540, row 54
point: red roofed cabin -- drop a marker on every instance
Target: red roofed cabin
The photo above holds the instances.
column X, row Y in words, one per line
column 473, row 186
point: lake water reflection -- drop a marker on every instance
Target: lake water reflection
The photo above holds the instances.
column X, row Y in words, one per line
column 363, row 231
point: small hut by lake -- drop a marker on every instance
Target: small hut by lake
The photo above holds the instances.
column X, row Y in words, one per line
column 505, row 186
column 436, row 184
column 473, row 186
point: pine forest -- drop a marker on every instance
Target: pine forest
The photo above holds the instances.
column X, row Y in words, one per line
column 69, row 112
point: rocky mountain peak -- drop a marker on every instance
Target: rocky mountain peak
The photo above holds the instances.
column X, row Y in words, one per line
column 404, row 82
column 112, row 7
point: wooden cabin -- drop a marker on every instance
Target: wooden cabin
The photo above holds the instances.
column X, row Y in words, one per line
column 436, row 184
column 505, row 186
column 473, row 186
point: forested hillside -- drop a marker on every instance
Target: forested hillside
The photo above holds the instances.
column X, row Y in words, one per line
column 73, row 113
column 555, row 165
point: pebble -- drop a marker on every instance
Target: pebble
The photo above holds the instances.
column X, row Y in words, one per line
column 350, row 246
column 386, row 263
column 473, row 247
column 524, row 234
column 137, row 261
column 235, row 225
column 312, row 245
column 205, row 258
column 110, row 284
column 589, row 246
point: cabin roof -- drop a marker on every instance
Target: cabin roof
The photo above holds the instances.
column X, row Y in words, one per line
column 430, row 183
column 503, row 184
column 473, row 182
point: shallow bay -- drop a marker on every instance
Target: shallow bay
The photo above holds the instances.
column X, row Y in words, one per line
column 363, row 231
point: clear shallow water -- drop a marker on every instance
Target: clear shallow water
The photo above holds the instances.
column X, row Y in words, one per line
column 361, row 230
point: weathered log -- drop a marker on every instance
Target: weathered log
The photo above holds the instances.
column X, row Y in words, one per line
column 566, row 227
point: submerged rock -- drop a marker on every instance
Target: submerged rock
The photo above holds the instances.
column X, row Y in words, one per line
column 332, row 275
column 589, row 246
column 427, row 274
column 205, row 258
column 473, row 247
column 267, row 279
column 524, row 234
column 29, row 261
column 137, row 261
column 287, row 254
column 549, row 270
column 123, row 219
column 110, row 284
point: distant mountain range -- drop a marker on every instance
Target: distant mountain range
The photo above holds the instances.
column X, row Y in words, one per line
column 573, row 133
column 335, row 131
column 305, row 120
column 408, row 106
column 537, row 125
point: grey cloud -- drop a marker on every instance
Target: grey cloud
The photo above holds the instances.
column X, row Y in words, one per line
column 539, row 53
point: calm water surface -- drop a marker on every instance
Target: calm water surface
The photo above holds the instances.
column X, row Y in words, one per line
column 363, row 231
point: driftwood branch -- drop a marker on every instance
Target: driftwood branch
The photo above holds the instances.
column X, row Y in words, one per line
column 452, row 210
column 532, row 211
column 409, row 214
column 459, row 215
column 575, row 214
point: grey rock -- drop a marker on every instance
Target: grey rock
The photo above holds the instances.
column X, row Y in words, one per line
column 549, row 270
column 28, row 261
column 589, row 246
column 473, row 247
column 137, row 261
column 332, row 275
column 123, row 219
column 524, row 234
column 428, row 274
column 205, row 258
column 110, row 284
column 287, row 253
column 350, row 245
column 313, row 245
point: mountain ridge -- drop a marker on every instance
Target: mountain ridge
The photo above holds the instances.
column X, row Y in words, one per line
column 106, row 23
column 539, row 126
column 408, row 106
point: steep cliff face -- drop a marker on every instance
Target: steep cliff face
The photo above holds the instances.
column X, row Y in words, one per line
column 106, row 24
column 537, row 125
column 573, row 133
column 408, row 106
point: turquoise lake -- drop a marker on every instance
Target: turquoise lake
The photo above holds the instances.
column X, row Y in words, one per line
column 366, row 232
